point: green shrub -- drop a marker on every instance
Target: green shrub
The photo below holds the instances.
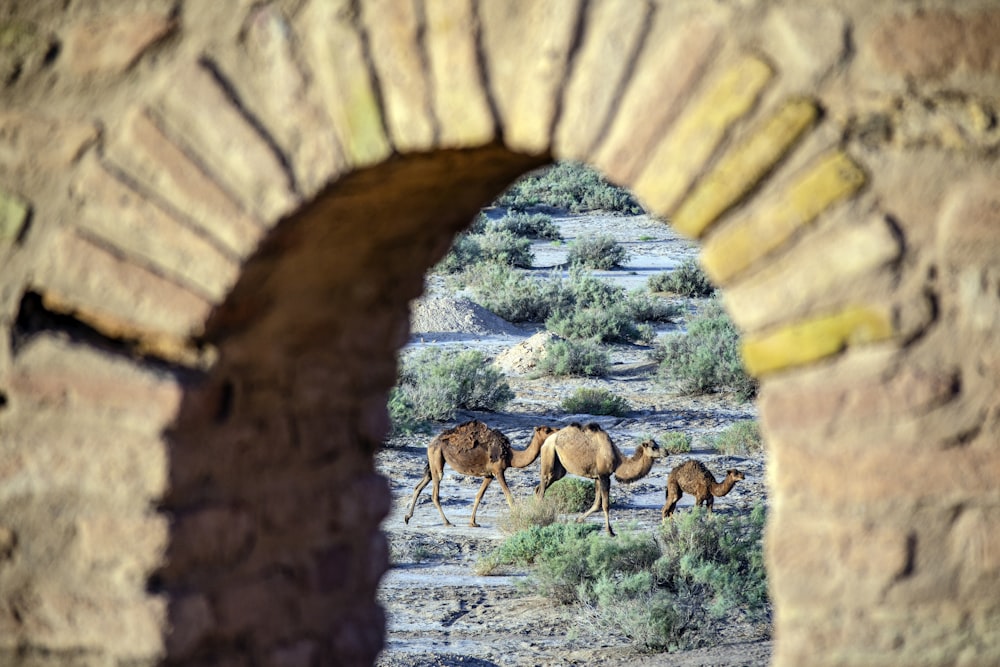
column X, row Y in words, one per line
column 740, row 438
column 605, row 324
column 570, row 186
column 569, row 358
column 646, row 308
column 503, row 246
column 571, row 495
column 433, row 384
column 675, row 442
column 511, row 294
column 530, row 225
column 600, row 252
column 666, row 591
column 595, row 401
column 687, row 280
column 707, row 358
column 465, row 251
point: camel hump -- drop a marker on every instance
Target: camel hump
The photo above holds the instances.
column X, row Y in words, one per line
column 594, row 427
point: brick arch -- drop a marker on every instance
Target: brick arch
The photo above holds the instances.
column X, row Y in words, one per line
column 212, row 221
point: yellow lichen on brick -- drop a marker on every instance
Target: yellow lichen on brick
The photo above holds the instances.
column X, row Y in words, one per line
column 734, row 249
column 13, row 214
column 681, row 156
column 743, row 167
column 345, row 81
column 809, row 341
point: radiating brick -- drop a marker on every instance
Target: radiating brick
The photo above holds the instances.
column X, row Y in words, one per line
column 333, row 47
column 791, row 282
column 743, row 242
column 112, row 43
column 673, row 59
column 150, row 158
column 809, row 341
column 275, row 85
column 460, row 101
column 150, row 236
column 935, row 43
column 527, row 45
column 393, row 29
column 198, row 113
column 32, row 140
column 724, row 98
column 743, row 167
column 117, row 297
column 612, row 33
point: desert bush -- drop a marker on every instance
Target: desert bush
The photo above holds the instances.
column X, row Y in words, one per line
column 503, row 246
column 740, row 438
column 595, row 401
column 646, row 308
column 511, row 294
column 570, row 358
column 707, row 358
column 433, row 384
column 465, row 251
column 530, row 225
column 687, row 280
column 601, row 252
column 666, row 591
column 569, row 495
column 526, row 546
column 675, row 442
column 607, row 324
column 570, row 186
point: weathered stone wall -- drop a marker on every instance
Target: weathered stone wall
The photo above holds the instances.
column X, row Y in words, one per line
column 213, row 215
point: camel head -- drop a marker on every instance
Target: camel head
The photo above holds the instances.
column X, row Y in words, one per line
column 651, row 449
column 734, row 474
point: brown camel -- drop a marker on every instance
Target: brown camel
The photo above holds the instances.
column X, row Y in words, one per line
column 588, row 451
column 694, row 478
column 473, row 448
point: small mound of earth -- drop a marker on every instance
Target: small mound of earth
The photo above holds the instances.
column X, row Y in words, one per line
column 444, row 314
column 524, row 356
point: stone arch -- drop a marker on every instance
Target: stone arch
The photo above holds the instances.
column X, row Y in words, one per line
column 211, row 222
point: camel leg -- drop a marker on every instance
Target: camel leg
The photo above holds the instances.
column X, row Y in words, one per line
column 605, row 502
column 552, row 471
column 479, row 496
column 597, row 501
column 416, row 493
column 709, row 502
column 506, row 489
column 436, row 464
column 673, row 495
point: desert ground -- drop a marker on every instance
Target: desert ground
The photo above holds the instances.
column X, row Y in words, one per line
column 439, row 611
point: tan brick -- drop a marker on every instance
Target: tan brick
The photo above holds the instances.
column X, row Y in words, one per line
column 31, row 140
column 191, row 622
column 526, row 45
column 392, row 28
column 52, row 373
column 792, row 281
column 975, row 541
column 273, row 83
column 100, row 560
column 808, row 41
column 115, row 296
column 612, row 31
column 126, row 628
column 120, row 217
column 197, row 113
column 50, row 452
column 935, row 43
column 112, row 43
column 726, row 96
column 862, row 389
column 139, row 148
column 461, row 104
column 673, row 59
column 333, row 48
column 969, row 223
